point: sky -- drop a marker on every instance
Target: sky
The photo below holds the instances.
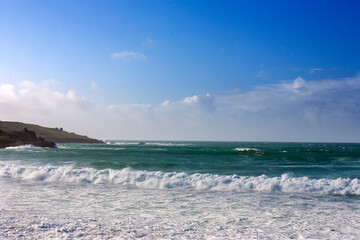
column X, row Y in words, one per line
column 184, row 70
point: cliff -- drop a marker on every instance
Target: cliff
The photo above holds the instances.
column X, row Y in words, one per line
column 57, row 135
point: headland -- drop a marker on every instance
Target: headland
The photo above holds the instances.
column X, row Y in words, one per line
column 56, row 135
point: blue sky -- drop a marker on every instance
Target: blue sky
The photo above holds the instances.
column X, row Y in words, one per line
column 146, row 56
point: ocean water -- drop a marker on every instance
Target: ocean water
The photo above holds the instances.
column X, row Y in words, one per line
column 181, row 190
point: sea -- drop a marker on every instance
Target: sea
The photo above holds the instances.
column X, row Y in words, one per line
column 181, row 190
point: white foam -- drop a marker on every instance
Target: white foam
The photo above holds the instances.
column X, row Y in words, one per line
column 123, row 143
column 165, row 144
column 247, row 149
column 89, row 147
column 52, row 210
column 27, row 146
column 180, row 180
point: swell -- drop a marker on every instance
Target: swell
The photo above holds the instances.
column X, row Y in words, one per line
column 180, row 180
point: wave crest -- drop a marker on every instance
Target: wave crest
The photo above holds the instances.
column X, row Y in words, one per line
column 27, row 146
column 173, row 180
column 247, row 149
column 164, row 144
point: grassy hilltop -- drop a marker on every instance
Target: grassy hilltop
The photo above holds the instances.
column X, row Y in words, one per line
column 57, row 135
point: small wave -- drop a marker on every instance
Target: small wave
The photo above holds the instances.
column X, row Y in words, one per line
column 90, row 148
column 167, row 144
column 247, row 149
column 28, row 146
column 122, row 143
column 173, row 180
column 164, row 144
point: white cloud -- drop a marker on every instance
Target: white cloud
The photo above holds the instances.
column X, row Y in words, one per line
column 297, row 86
column 327, row 110
column 298, row 110
column 128, row 56
column 166, row 119
column 298, row 91
column 202, row 103
column 38, row 103
column 7, row 93
column 197, row 103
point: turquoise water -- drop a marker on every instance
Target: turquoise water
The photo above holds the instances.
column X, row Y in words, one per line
column 314, row 160
column 181, row 190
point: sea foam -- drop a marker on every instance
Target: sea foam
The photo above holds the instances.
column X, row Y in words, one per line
column 27, row 146
column 180, row 180
column 166, row 144
column 247, row 149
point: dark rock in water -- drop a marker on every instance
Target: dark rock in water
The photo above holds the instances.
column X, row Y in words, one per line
column 141, row 143
column 24, row 137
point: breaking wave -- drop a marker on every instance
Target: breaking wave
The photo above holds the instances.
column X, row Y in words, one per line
column 165, row 144
column 21, row 147
column 247, row 149
column 173, row 180
column 89, row 147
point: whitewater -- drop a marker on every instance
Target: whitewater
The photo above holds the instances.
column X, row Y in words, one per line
column 181, row 190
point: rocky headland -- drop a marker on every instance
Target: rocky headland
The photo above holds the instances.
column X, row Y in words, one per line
column 57, row 134
column 24, row 137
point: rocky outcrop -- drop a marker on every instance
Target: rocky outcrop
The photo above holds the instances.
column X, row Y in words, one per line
column 57, row 135
column 25, row 137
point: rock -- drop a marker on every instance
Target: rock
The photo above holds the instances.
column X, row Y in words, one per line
column 24, row 137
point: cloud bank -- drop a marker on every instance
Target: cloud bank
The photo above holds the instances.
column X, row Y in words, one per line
column 300, row 110
column 297, row 110
column 39, row 103
column 30, row 98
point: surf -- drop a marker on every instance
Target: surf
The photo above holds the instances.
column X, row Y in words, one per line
column 181, row 180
